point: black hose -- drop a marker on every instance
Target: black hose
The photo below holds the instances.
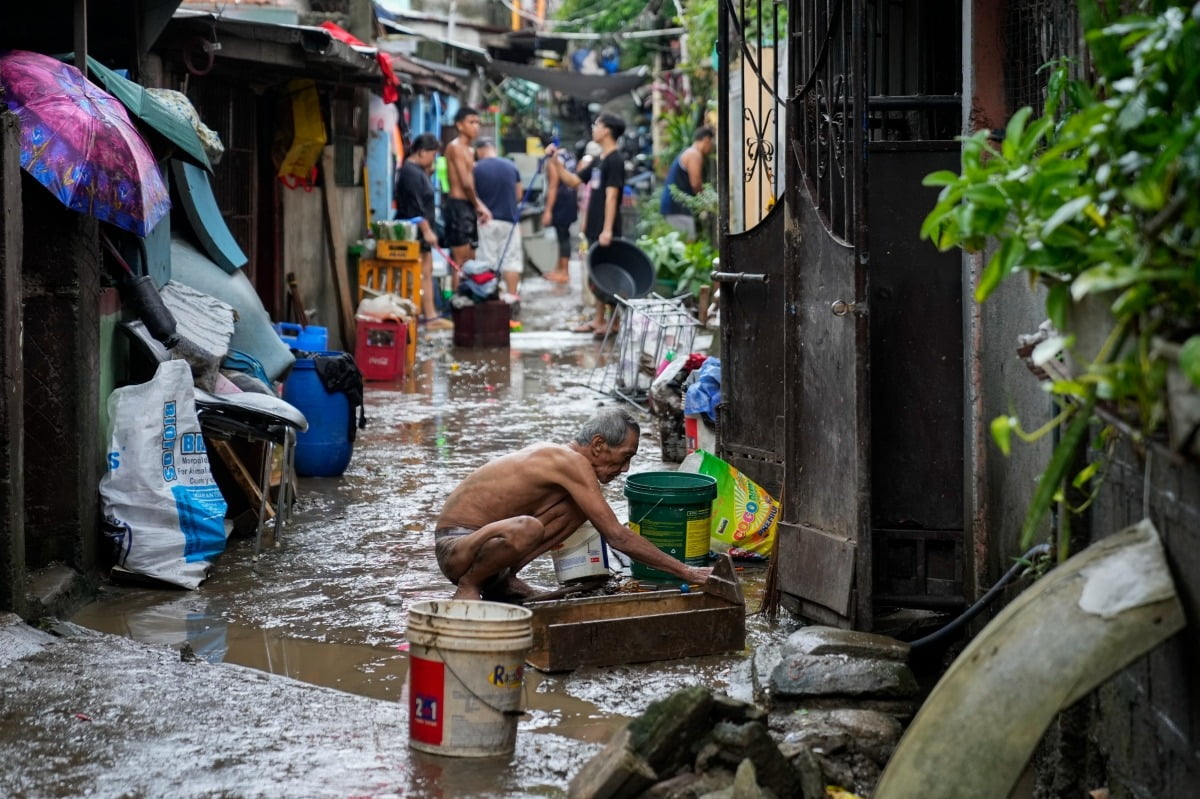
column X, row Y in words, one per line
column 983, row 601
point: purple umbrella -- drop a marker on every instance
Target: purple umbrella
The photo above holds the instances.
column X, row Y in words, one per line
column 78, row 142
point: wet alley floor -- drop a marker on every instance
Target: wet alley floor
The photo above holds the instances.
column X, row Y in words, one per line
column 328, row 606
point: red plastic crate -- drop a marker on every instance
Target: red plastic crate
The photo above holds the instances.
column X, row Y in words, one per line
column 380, row 351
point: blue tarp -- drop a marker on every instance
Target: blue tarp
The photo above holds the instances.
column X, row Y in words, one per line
column 704, row 395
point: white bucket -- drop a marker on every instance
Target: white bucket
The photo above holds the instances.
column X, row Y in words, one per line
column 582, row 554
column 466, row 670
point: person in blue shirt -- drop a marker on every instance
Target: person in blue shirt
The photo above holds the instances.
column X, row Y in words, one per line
column 687, row 174
column 498, row 186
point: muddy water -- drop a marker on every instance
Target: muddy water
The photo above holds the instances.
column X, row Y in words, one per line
column 328, row 605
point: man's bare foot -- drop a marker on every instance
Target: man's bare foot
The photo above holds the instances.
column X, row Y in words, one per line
column 513, row 590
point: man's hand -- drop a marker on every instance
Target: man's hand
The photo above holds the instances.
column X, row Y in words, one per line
column 550, row 150
column 605, row 238
column 546, row 218
column 699, row 574
column 430, row 238
column 485, row 215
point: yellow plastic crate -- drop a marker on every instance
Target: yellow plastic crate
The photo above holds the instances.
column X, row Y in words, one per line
column 397, row 250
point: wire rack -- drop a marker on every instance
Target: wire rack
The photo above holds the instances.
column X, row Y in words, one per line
column 642, row 335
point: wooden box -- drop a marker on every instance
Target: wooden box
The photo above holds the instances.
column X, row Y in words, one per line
column 398, row 250
column 484, row 324
column 635, row 628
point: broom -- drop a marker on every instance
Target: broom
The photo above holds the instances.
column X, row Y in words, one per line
column 772, row 596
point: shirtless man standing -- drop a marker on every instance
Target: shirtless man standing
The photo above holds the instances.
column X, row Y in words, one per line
column 464, row 211
column 518, row 506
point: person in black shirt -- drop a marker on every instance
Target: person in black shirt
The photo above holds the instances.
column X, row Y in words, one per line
column 414, row 198
column 603, row 221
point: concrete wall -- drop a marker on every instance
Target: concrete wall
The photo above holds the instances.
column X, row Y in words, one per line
column 306, row 252
column 1137, row 733
column 61, row 343
column 12, row 392
column 997, row 488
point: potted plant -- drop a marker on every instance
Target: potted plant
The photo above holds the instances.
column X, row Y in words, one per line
column 1098, row 199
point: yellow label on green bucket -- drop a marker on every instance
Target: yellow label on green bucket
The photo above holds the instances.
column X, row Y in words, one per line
column 697, row 542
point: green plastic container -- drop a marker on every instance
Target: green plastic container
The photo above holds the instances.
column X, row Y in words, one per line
column 673, row 511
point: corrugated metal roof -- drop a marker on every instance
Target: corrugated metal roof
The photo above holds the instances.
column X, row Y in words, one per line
column 294, row 46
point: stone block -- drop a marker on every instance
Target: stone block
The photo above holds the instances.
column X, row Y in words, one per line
column 841, row 675
column 819, row 640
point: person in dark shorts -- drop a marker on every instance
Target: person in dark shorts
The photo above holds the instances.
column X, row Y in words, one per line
column 463, row 210
column 603, row 221
column 414, row 198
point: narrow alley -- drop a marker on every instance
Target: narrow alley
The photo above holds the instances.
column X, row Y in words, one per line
column 328, row 607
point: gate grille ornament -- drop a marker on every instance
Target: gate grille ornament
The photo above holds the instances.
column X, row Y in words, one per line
column 752, row 56
column 827, row 100
column 760, row 151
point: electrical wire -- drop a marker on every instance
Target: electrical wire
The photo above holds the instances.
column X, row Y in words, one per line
column 1041, row 550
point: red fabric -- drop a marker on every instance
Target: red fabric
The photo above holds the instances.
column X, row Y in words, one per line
column 391, row 84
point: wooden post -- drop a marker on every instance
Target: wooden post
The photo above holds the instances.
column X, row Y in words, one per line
column 12, row 372
column 336, row 239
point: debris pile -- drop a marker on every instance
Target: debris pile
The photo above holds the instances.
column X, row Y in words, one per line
column 828, row 709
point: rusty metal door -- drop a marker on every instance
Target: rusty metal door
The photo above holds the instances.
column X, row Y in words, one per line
column 824, row 533
column 752, row 272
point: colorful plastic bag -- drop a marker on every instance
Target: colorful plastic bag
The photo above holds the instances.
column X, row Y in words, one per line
column 744, row 516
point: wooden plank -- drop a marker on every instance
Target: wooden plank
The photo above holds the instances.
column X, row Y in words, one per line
column 336, row 239
column 816, row 566
column 241, row 475
column 638, row 639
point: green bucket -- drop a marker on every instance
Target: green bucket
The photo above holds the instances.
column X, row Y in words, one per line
column 673, row 511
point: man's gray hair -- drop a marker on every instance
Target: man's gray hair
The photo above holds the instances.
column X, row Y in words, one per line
column 611, row 424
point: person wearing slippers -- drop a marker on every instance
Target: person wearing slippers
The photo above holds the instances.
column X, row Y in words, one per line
column 603, row 221
column 414, row 199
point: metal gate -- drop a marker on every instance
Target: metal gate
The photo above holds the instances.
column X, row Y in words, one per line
column 753, row 270
column 867, row 438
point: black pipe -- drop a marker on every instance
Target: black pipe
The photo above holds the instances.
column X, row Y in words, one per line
column 983, row 601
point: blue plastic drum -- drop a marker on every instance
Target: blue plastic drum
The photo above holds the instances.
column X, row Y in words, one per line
column 323, row 450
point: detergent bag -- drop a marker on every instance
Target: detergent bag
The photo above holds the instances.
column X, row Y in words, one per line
column 744, row 516
column 162, row 509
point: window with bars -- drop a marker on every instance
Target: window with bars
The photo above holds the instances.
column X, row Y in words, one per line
column 1037, row 33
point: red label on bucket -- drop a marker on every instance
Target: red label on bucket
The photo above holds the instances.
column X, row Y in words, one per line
column 426, row 700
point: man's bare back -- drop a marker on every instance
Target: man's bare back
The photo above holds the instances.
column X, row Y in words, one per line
column 537, row 481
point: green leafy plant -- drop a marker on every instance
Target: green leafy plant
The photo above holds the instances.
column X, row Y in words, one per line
column 684, row 264
column 1098, row 199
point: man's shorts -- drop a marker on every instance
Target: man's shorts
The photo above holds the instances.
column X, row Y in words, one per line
column 444, row 541
column 500, row 245
column 460, row 222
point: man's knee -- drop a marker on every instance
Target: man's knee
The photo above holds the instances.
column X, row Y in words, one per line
column 527, row 531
